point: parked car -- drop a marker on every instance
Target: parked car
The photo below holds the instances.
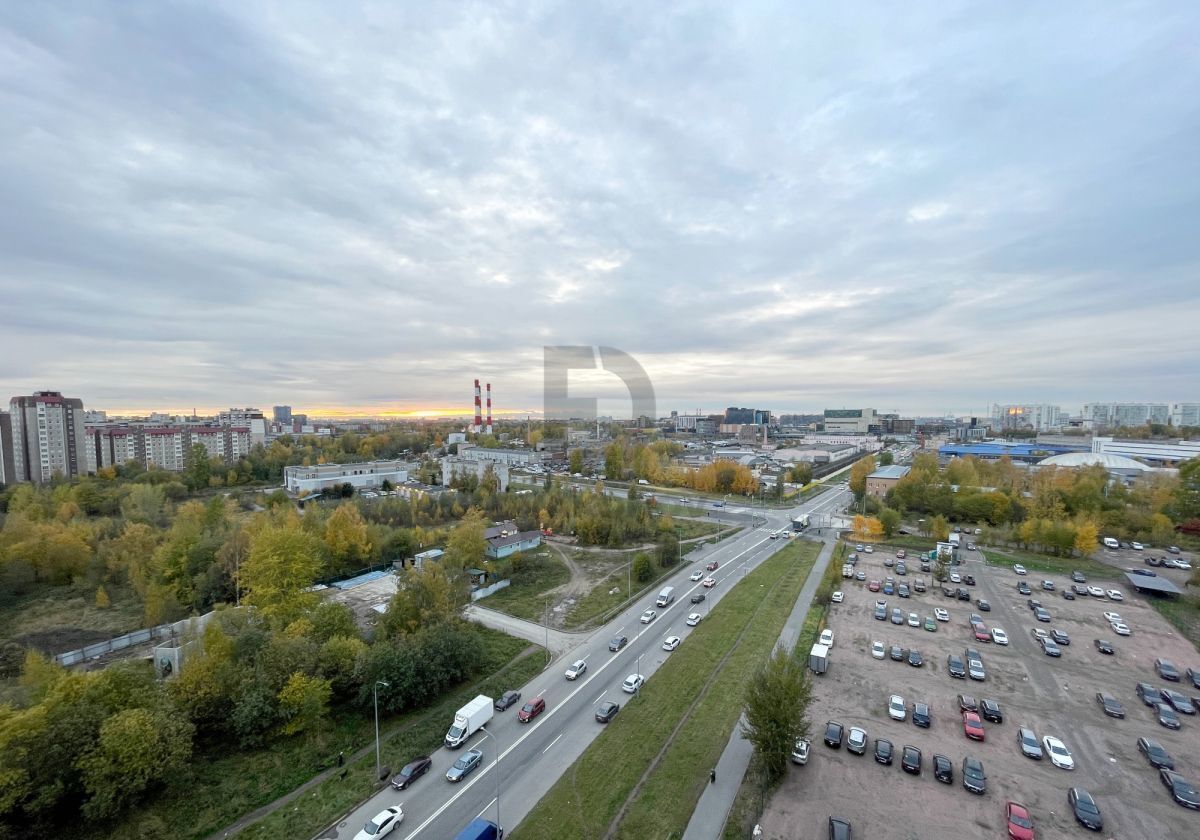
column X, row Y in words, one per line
column 800, row 751
column 827, row 636
column 506, row 700
column 1087, row 812
column 382, row 823
column 1104, row 647
column 1110, row 705
column 839, row 829
column 954, row 665
column 974, row 779
column 1166, row 670
column 990, row 710
column 877, row 650
column 607, row 710
column 1166, row 716
column 1018, row 821
column 412, row 771
column 910, row 760
column 1177, row 701
column 1181, row 789
column 856, row 741
column 914, row 658
column 1029, row 744
column 1060, row 756
column 834, row 734
column 941, row 614
column 999, row 636
column 1155, row 754
column 883, row 751
column 921, row 715
column 943, row 769
column 896, row 708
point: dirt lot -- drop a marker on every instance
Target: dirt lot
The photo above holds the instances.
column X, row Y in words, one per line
column 1050, row 696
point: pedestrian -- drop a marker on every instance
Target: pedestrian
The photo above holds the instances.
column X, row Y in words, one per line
column 712, row 776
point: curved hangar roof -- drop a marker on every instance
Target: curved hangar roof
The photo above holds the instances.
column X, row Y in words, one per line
column 1087, row 459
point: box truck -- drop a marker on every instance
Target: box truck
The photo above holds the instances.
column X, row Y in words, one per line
column 666, row 596
column 481, row 829
column 818, row 659
column 467, row 721
column 847, row 570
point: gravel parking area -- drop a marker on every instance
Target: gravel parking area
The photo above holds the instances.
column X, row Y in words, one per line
column 1050, row 696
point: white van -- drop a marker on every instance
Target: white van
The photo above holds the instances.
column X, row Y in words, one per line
column 643, row 482
column 665, row 597
column 1109, row 542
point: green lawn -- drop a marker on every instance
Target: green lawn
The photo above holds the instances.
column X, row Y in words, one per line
column 1183, row 613
column 526, row 596
column 680, row 723
column 1051, row 565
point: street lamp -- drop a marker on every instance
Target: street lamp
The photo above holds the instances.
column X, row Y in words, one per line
column 496, row 767
column 378, row 683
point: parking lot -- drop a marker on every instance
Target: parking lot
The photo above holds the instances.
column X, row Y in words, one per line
column 1051, row 696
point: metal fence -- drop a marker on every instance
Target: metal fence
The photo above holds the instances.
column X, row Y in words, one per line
column 138, row 637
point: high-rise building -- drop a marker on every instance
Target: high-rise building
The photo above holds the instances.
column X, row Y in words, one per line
column 1185, row 414
column 7, row 475
column 1040, row 418
column 283, row 414
column 1113, row 415
column 751, row 416
column 859, row 421
column 47, row 437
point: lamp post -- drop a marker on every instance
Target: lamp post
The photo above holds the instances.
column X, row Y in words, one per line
column 638, row 691
column 496, row 767
column 377, row 762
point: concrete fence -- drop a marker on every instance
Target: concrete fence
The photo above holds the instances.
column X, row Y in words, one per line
column 485, row 591
column 137, row 637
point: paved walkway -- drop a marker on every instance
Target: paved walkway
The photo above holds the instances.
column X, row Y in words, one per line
column 708, row 820
column 559, row 641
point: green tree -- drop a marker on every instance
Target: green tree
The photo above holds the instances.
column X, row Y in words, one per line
column 466, row 547
column 1186, row 503
column 614, row 461
column 333, row 619
column 145, row 503
column 862, row 468
column 136, row 750
column 198, row 472
column 940, row 528
column 428, row 595
column 304, row 703
column 886, row 458
column 889, row 518
column 776, row 704
column 576, row 461
column 282, row 563
column 642, row 569
column 347, row 539
column 802, row 474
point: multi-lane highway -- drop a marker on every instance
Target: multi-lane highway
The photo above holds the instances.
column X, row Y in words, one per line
column 522, row 761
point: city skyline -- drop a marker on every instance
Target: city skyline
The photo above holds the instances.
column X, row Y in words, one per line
column 925, row 209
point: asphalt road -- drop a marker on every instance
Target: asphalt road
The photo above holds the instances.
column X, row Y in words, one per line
column 522, row 761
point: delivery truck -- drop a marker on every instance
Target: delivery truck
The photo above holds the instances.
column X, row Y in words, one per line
column 467, row 721
column 818, row 659
column 481, row 829
column 665, row 597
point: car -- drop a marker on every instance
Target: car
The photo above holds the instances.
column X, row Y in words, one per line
column 962, row 595
column 974, row 779
column 1137, row 546
column 1050, row 648
column 868, row 549
column 1166, row 670
column 889, row 562
column 713, row 566
column 914, row 658
column 1155, row 754
column 699, row 598
column 671, row 642
column 910, row 760
column 972, row 726
column 897, row 616
column 941, row 614
column 873, row 586
column 896, row 708
column 648, row 616
column 837, row 597
column 1095, row 591
column 466, row 763
column 955, row 577
column 889, row 588
column 990, row 710
column 970, row 546
column 1148, row 694
column 531, row 709
column 1023, row 588
column 897, row 653
column 943, row 769
column 1029, row 744
column 930, row 624
column 1034, row 604
column 607, row 710
column 1104, row 647
column 921, row 715
column 1017, row 821
column 1086, row 811
column 1019, row 569
column 633, row 683
column 1173, row 549
column 983, row 605
column 693, row 619
column 1060, row 756
column 1060, row 638
column 381, row 824
column 1120, row 628
column 981, row 633
column 1177, row 701
column 577, row 669
column 412, row 771
column 967, row 703
column 901, row 569
column 839, row 829
column 859, row 547
column 708, row 583
column 914, row 620
column 856, row 740
column 835, row 733
column 506, row 701
column 1110, row 705
column 877, row 650
column 1181, row 789
column 617, row 642
column 1041, row 615
column 902, row 590
column 975, row 670
column 1039, row 634
column 881, row 613
column 1115, row 595
column 696, row 575
column 954, row 665
column 1111, row 617
column 883, row 751
column 860, row 576
column 999, row 636
column 972, row 653
column 901, row 554
column 826, row 636
column 1048, row 585
column 1166, row 716
column 1193, row 675
column 800, row 751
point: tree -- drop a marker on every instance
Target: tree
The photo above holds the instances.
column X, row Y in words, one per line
column 867, row 528
column 889, row 519
column 1186, row 503
column 642, row 570
column 802, row 474
column 614, row 461
column 862, row 468
column 576, row 461
column 777, row 699
column 940, row 528
column 303, row 703
column 136, row 749
column 282, row 563
column 886, row 458
column 427, row 595
column 145, row 503
column 198, row 472
column 1087, row 535
column 102, row 600
column 466, row 547
column 347, row 539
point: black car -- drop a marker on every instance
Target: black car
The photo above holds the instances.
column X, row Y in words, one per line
column 1193, row 674
column 1155, row 754
column 1177, row 701
column 963, row 595
column 1033, row 603
column 1148, row 693
column 974, row 778
column 910, row 760
column 1068, row 595
column 914, row 658
column 1105, row 647
column 921, row 716
column 956, row 668
column 698, row 597
column 1023, row 588
column 1078, row 577
column 896, row 653
column 839, row 829
column 412, row 771
column 1029, row 744
column 1167, row 717
column 990, row 710
column 883, row 751
column 607, row 710
column 1166, row 669
column 834, row 733
column 1111, row 706
column 983, row 605
column 1181, row 790
column 967, row 703
column 507, row 699
column 969, row 580
column 1060, row 637
column 1085, row 808
column 943, row 769
column 1079, row 589
column 618, row 642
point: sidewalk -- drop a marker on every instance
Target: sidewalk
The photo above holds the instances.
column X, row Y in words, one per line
column 558, row 641
column 708, row 820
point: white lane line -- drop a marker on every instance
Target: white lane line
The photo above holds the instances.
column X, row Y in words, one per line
column 486, row 808
column 552, row 743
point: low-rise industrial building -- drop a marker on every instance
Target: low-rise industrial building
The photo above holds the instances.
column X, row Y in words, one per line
column 505, row 539
column 456, row 466
column 884, row 479
column 308, row 480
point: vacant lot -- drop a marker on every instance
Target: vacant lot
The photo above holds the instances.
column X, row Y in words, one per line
column 1050, row 696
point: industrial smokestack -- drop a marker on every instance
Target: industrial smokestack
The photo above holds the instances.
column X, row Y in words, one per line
column 488, row 428
column 478, row 413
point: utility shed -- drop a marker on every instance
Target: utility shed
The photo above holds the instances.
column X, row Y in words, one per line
column 1157, row 585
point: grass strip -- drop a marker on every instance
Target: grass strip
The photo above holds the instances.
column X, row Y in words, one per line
column 526, row 597
column 588, row 796
column 1183, row 613
column 1051, row 565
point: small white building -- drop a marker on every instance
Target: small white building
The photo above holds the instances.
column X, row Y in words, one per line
column 307, row 480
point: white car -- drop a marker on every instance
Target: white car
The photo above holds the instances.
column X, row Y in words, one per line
column 914, row 620
column 1112, row 617
column 671, row 642
column 1182, row 564
column 941, row 614
column 1095, row 591
column 648, row 616
column 1018, row 568
column 696, row 575
column 1060, row 756
column 826, row 637
column 693, row 619
column 838, row 597
column 1137, row 546
column 868, row 549
column 999, row 636
column 1120, row 628
column 632, row 683
column 576, row 670
column 955, row 577
column 1115, row 595
column 877, row 650
column 896, row 708
column 381, row 824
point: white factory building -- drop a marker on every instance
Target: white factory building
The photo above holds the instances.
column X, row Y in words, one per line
column 306, row 480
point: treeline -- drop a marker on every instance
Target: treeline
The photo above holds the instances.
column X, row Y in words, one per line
column 656, row 462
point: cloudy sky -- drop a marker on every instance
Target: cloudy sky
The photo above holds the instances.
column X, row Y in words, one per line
column 924, row 207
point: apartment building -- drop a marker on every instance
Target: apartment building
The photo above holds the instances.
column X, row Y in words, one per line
column 47, row 437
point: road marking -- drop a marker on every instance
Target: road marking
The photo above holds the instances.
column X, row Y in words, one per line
column 552, row 743
column 486, row 808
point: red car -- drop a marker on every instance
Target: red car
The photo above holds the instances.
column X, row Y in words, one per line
column 712, row 567
column 1018, row 821
column 873, row 586
column 972, row 726
column 982, row 634
column 534, row 708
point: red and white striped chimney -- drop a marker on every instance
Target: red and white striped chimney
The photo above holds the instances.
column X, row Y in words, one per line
column 488, row 428
column 478, row 412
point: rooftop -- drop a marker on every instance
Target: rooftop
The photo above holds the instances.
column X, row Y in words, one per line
column 1157, row 584
column 893, row 471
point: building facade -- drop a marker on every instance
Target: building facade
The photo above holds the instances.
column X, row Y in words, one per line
column 884, row 479
column 8, row 474
column 1158, row 453
column 48, row 437
column 858, row 421
column 1112, row 415
column 1040, row 418
column 307, row 480
column 1185, row 414
column 508, row 457
column 282, row 414
column 457, row 466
